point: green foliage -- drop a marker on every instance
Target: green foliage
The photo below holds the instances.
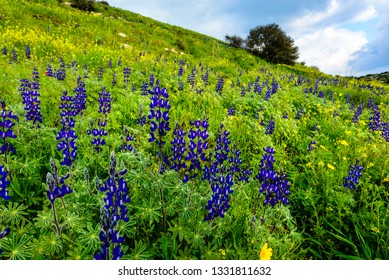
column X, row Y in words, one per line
column 270, row 43
column 84, row 5
column 323, row 220
column 235, row 41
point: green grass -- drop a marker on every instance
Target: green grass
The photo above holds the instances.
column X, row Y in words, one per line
column 324, row 220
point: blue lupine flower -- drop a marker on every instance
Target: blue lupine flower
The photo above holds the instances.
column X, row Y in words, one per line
column 198, row 144
column 109, row 63
column 285, row 115
column 56, row 186
column 274, row 86
column 145, row 88
column 142, row 118
column 355, row 173
column 257, row 87
column 180, row 71
column 14, row 56
column 98, row 134
column 151, row 82
column 375, row 120
column 120, row 61
column 49, row 71
column 181, row 85
column 348, row 98
column 4, row 183
column 80, row 97
column 219, row 85
column 4, row 50
column 113, row 211
column 67, row 136
column 61, row 62
column 191, row 79
column 231, row 111
column 100, row 73
column 28, row 52
column 177, row 161
column 276, row 188
column 126, row 141
column 60, row 74
column 126, row 75
column 235, row 161
column 311, row 146
column 385, row 131
column 270, row 127
column 7, row 119
column 358, row 113
column 299, row 114
column 219, row 177
column 159, row 116
column 205, row 78
column 268, row 94
column 30, row 95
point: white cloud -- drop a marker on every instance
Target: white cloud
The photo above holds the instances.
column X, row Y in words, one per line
column 331, row 49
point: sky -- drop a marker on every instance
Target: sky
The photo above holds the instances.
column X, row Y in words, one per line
column 344, row 37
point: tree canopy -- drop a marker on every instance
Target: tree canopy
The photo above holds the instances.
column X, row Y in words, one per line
column 272, row 44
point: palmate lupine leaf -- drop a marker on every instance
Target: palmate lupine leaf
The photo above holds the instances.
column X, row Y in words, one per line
column 17, row 248
column 14, row 213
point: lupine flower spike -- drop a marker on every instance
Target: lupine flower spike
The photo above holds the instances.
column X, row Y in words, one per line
column 113, row 210
column 7, row 121
column 355, row 173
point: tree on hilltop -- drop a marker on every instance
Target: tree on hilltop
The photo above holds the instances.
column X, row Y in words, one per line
column 235, row 41
column 272, row 44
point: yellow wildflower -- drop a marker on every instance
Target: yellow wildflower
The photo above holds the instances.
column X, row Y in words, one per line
column 266, row 253
column 344, row 143
column 320, row 164
column 222, row 252
column 386, row 179
column 330, row 166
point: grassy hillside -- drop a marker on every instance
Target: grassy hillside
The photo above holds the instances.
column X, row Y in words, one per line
column 223, row 152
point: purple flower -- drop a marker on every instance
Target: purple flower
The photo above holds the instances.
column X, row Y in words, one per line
column 126, row 141
column 177, row 161
column 4, row 183
column 113, row 210
column 198, row 144
column 355, row 173
column 80, row 97
column 28, row 52
column 30, row 95
column 274, row 186
column 67, row 136
column 231, row 111
column 7, row 119
column 126, row 75
column 159, row 116
column 270, row 127
column 219, row 85
column 220, row 177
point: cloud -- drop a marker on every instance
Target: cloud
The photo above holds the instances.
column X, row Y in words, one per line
column 330, row 49
column 374, row 57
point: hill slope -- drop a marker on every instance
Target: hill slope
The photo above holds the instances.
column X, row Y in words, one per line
column 223, row 152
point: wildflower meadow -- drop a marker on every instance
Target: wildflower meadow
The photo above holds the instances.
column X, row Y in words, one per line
column 125, row 138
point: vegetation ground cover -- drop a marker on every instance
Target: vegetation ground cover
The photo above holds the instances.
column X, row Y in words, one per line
column 162, row 143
